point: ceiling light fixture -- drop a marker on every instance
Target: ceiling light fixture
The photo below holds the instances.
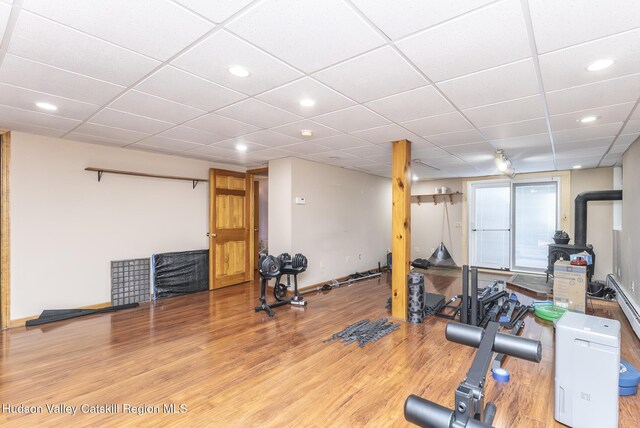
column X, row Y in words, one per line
column 588, row 119
column 577, row 166
column 600, row 64
column 46, row 106
column 239, row 71
column 307, row 102
column 504, row 164
column 306, row 133
column 415, row 178
column 241, row 147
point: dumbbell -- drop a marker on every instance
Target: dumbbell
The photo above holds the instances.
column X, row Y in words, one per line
column 299, row 261
column 269, row 266
column 284, row 259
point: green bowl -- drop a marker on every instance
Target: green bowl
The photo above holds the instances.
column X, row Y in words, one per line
column 549, row 312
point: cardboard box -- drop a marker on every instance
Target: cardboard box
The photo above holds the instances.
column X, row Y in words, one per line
column 570, row 286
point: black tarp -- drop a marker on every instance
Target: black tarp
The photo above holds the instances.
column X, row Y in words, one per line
column 175, row 274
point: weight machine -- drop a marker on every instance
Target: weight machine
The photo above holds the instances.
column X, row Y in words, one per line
column 270, row 267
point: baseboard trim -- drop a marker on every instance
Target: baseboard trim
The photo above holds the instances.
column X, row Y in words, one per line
column 20, row 322
column 627, row 305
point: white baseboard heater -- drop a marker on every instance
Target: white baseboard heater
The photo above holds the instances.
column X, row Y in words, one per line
column 625, row 303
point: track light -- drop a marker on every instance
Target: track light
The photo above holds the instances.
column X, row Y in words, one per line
column 504, row 164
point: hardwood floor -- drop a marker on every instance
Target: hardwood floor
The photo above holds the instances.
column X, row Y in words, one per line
column 232, row 367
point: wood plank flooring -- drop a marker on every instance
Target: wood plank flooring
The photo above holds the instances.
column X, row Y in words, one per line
column 232, row 367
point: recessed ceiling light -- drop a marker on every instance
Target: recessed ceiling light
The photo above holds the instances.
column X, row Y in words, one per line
column 588, row 119
column 577, row 166
column 415, row 178
column 307, row 102
column 239, row 71
column 241, row 147
column 600, row 64
column 46, row 106
column 306, row 133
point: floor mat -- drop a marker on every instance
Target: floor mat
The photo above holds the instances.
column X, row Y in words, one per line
column 535, row 283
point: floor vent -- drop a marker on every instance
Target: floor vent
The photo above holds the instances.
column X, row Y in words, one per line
column 130, row 281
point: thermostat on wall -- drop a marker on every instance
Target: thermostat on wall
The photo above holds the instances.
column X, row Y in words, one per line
column 300, row 200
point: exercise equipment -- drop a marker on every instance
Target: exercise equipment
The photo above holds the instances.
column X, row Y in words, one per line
column 629, row 379
column 270, row 267
column 469, row 408
column 416, row 297
column 441, row 256
column 364, row 332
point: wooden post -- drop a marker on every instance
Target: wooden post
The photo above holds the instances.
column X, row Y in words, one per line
column 400, row 227
column 5, row 262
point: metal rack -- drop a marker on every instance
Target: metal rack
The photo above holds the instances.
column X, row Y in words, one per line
column 101, row 171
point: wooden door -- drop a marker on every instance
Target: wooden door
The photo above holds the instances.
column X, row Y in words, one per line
column 256, row 222
column 230, row 223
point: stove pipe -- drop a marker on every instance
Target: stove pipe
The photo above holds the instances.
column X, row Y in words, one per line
column 581, row 210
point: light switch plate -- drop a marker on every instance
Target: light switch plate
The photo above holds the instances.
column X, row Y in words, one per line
column 300, row 200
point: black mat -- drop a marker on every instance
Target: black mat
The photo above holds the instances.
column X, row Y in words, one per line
column 535, row 283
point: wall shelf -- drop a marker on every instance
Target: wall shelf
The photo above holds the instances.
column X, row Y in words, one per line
column 101, row 171
column 434, row 197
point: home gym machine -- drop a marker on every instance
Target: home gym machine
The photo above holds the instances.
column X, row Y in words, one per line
column 469, row 411
column 270, row 267
column 290, row 266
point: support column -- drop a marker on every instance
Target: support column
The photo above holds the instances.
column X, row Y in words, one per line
column 400, row 227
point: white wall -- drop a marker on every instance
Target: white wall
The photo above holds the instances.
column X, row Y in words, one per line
column 66, row 227
column 345, row 225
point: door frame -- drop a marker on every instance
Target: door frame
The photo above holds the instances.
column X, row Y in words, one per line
column 5, row 243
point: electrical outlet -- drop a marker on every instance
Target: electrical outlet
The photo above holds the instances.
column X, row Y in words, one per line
column 633, row 286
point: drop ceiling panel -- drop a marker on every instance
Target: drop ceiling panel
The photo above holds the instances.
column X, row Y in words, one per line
column 517, row 110
column 596, row 143
column 167, row 143
column 216, row 11
column 515, row 129
column 611, row 159
column 154, row 107
column 402, row 17
column 355, row 79
column 605, row 93
column 600, row 131
column 482, row 45
column 387, row 133
column 40, row 77
column 45, row 41
column 221, row 125
column 352, row 119
column 185, row 88
column 426, row 154
column 294, row 130
column 310, row 34
column 568, row 67
column 5, row 11
column 258, row 113
column 139, row 25
column 268, row 154
column 558, row 24
column 193, row 135
column 119, row 119
column 93, row 139
column 498, row 84
column 536, row 142
column 342, row 141
column 271, row 139
column 11, row 114
column 474, row 152
column 455, row 138
column 444, row 123
column 212, row 58
column 27, row 99
column 414, row 104
column 115, row 134
column 632, row 127
column 368, row 152
column 30, row 128
column 306, row 148
column 288, row 97
column 606, row 114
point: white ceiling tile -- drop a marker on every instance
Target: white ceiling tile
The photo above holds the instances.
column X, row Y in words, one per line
column 456, row 138
column 294, row 130
column 568, row 67
column 446, row 161
column 370, row 151
column 343, row 141
column 402, row 17
column 515, row 129
column 605, row 114
column 27, row 99
column 212, row 58
column 632, row 127
column 94, row 139
column 352, row 119
column 605, row 93
column 355, row 79
column 188, row 89
column 218, row 10
column 491, row 36
column 193, row 135
column 10, row 114
column 426, row 154
column 611, row 159
column 623, row 142
column 444, row 123
column 385, row 134
column 474, row 152
column 45, row 41
column 139, row 25
column 221, row 125
column 288, row 97
column 516, row 110
column 503, row 83
column 258, row 113
column 270, row 138
column 607, row 130
column 115, row 134
column 40, row 77
column 219, row 152
column 154, row 107
column 153, row 149
column 310, row 34
column 167, row 143
column 119, row 119
column 5, row 11
column 268, row 154
column 636, row 113
column 596, row 143
column 557, row 24
column 30, row 128
column 306, row 148
column 537, row 142
column 413, row 104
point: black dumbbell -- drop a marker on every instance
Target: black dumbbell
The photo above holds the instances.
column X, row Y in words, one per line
column 269, row 266
column 299, row 261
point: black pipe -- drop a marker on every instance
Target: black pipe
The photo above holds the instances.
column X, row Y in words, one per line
column 581, row 210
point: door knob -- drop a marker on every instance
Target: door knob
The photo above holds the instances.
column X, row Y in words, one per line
column 255, row 230
column 209, row 235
